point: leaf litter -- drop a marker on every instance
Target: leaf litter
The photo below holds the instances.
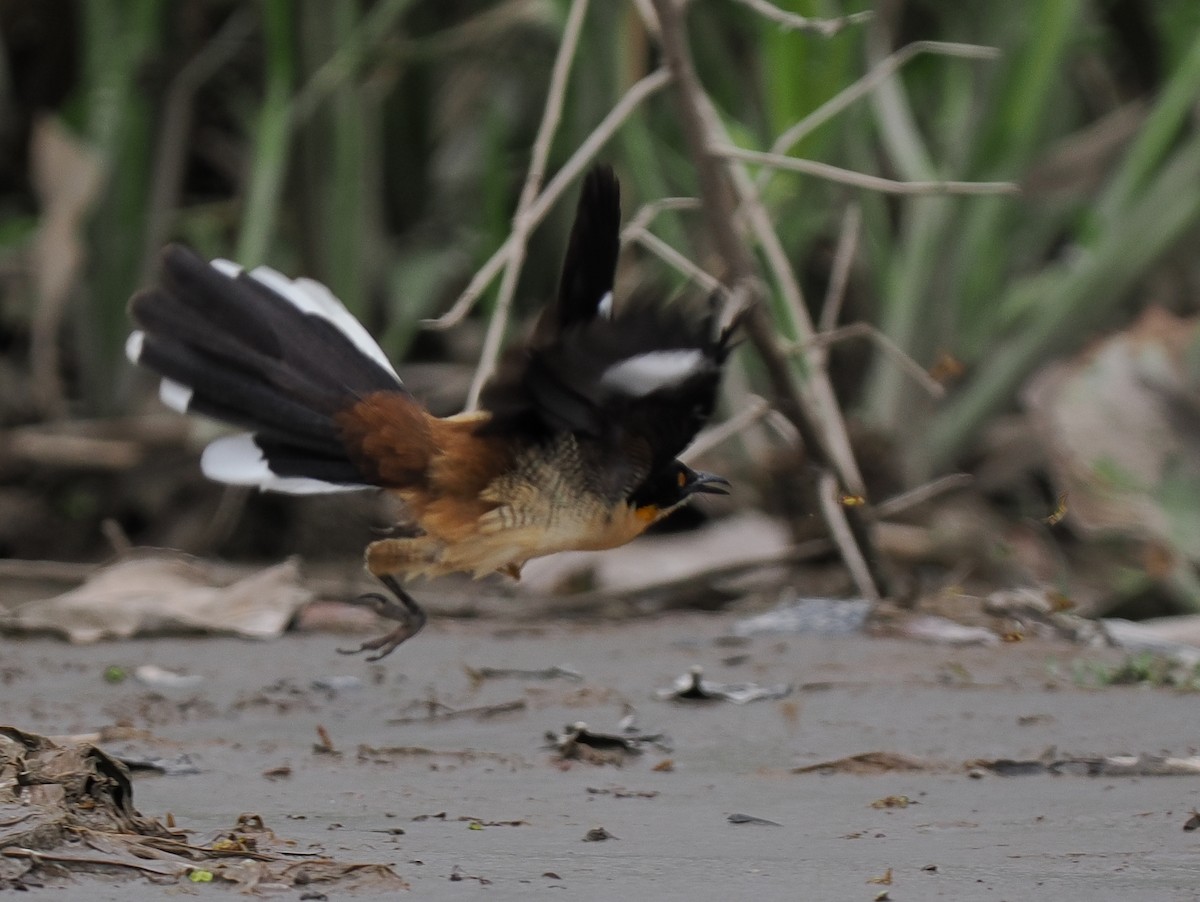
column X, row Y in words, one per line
column 692, row 686
column 1051, row 762
column 69, row 810
column 157, row 594
column 580, row 742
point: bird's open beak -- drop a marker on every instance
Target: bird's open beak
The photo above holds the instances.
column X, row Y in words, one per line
column 708, row 483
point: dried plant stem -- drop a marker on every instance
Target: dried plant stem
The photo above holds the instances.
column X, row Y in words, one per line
column 647, row 213
column 522, row 225
column 889, row 347
column 638, row 231
column 836, row 518
column 672, row 257
column 879, row 73
column 537, row 211
column 702, row 130
column 815, row 397
column 175, row 133
column 839, row 276
column 795, row 22
column 922, row 493
column 754, row 410
column 861, row 179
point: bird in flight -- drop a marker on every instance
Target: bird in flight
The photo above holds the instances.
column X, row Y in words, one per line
column 575, row 445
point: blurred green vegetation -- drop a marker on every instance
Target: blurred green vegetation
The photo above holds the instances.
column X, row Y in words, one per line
column 380, row 146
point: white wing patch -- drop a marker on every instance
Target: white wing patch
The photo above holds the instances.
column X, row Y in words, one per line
column 237, row 460
column 175, row 395
column 605, row 307
column 313, row 297
column 133, row 345
column 646, row 373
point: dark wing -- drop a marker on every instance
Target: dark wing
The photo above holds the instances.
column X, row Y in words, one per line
column 633, row 384
column 635, row 389
column 282, row 358
column 586, row 284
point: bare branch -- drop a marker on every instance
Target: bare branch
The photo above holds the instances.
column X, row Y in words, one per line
column 880, row 73
column 649, row 17
column 861, row 179
column 906, row 363
column 537, row 211
column 756, row 408
column 638, row 231
column 672, row 257
column 839, row 275
column 522, row 225
column 795, row 22
column 649, row 212
column 922, row 493
column 816, row 395
column 702, row 128
column 834, row 511
column 173, row 137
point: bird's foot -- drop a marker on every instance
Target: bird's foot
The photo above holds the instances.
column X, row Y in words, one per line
column 401, row 608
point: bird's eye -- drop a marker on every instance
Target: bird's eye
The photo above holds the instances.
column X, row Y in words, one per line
column 681, row 478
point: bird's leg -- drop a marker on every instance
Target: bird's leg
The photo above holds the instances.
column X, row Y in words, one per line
column 402, row 608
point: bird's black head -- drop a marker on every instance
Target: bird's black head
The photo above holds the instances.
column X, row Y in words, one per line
column 674, row 485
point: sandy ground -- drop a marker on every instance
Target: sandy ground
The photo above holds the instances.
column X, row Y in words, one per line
column 404, row 793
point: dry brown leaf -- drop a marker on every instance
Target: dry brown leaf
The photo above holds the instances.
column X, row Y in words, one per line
column 166, row 594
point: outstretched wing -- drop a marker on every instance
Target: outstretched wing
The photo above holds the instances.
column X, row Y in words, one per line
column 586, row 284
column 639, row 379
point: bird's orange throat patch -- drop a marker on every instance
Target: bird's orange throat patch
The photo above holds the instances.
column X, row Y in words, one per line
column 648, row 514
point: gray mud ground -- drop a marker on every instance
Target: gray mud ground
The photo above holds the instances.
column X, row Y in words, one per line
column 966, row 838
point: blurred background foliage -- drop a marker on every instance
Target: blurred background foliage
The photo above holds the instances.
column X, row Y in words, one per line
column 379, row 146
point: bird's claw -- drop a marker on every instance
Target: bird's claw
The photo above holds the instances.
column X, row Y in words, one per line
column 402, row 608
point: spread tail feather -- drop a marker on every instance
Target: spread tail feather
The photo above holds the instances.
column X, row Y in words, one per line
column 272, row 355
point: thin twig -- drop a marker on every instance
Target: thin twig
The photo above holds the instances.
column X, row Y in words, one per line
column 903, row 143
column 885, row 344
column 839, row 275
column 922, row 493
column 783, row 427
column 522, row 226
column 795, row 22
column 174, row 138
column 638, row 231
column 861, row 179
column 702, row 128
column 815, row 397
column 645, row 10
column 668, row 254
column 879, row 73
column 756, row 408
column 830, row 496
column 648, row 212
column 624, row 108
column 40, row 859
column 445, row 713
